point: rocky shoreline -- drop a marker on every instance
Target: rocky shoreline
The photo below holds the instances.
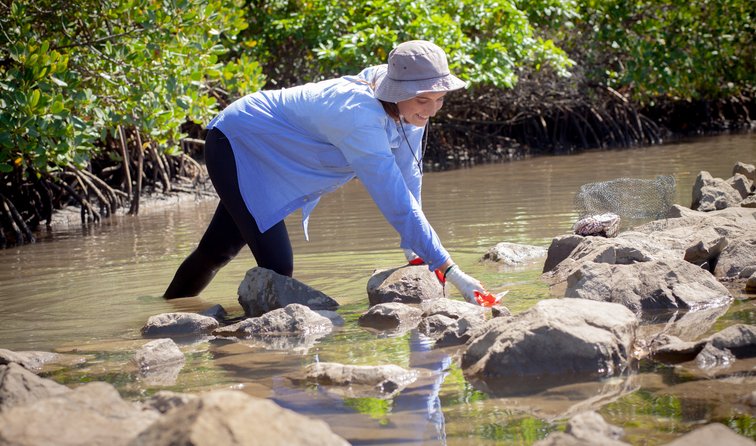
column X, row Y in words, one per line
column 652, row 293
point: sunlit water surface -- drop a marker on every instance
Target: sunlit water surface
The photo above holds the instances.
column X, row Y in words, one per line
column 88, row 292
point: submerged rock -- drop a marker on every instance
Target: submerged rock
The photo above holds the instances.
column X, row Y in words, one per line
column 31, row 360
column 159, row 361
column 513, row 253
column 383, row 378
column 294, row 327
column 179, row 324
column 263, row 290
column 558, row 339
column 587, row 428
column 19, row 386
column 93, row 414
column 226, row 417
column 407, row 284
column 711, row 434
column 391, row 315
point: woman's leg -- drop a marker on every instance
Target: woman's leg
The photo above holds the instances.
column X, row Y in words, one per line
column 218, row 246
column 231, row 227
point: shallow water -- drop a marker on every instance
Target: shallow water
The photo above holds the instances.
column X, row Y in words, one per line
column 88, row 292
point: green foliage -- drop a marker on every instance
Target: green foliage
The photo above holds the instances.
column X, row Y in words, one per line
column 680, row 49
column 487, row 41
column 72, row 72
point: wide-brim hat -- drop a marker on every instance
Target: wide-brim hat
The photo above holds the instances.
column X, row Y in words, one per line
column 415, row 67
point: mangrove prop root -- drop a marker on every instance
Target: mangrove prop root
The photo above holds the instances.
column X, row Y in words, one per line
column 134, row 210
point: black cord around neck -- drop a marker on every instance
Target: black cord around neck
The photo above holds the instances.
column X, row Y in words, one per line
column 424, row 143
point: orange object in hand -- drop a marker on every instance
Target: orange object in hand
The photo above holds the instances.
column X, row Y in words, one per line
column 487, row 299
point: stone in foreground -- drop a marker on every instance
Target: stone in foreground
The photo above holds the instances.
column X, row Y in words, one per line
column 558, row 339
column 233, row 418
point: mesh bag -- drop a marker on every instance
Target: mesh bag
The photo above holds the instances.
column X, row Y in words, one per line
column 634, row 200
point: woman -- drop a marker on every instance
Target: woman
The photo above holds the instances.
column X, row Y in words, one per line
column 272, row 152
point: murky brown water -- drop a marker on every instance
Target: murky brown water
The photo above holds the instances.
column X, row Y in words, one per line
column 89, row 291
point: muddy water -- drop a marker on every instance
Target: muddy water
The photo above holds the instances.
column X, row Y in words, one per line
column 87, row 292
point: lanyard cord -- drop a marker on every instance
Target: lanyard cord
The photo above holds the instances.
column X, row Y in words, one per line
column 426, row 130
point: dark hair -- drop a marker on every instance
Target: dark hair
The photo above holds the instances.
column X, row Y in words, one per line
column 391, row 109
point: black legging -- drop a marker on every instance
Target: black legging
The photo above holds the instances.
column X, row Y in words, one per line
column 230, row 229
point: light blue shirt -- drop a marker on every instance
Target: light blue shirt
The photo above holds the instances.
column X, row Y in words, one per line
column 296, row 144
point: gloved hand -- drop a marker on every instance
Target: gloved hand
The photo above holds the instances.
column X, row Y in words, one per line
column 466, row 284
column 412, row 258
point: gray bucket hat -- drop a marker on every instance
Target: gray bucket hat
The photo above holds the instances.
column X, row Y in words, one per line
column 415, row 67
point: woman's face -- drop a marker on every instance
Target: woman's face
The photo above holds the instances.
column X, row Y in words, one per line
column 417, row 110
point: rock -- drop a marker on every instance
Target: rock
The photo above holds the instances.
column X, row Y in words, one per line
column 434, row 326
column 159, row 362
column 158, row 353
column 740, row 183
column 31, row 360
column 216, row 312
column 739, row 339
column 388, row 316
column 385, row 378
column 557, row 339
column 718, row 196
column 714, row 433
column 455, row 309
column 587, row 428
column 294, row 319
column 513, row 253
column 750, row 285
column 93, row 414
column 231, row 418
column 179, row 324
column 263, row 290
column 749, row 202
column 335, row 318
column 458, row 332
column 19, row 386
column 739, row 253
column 165, row 400
column 712, row 357
column 711, row 193
column 705, row 252
column 642, row 286
column 747, row 170
column 560, row 249
column 407, row 284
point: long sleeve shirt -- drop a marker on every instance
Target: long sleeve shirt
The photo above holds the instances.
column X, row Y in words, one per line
column 296, row 144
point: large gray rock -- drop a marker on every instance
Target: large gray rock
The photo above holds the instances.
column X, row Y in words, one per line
column 389, row 316
column 739, row 339
column 31, row 360
column 384, row 378
column 561, row 247
column 452, row 322
column 407, row 284
column 263, row 290
column 712, row 434
column 159, row 362
column 179, row 324
column 651, row 285
column 740, row 183
column 294, row 319
column 513, row 253
column 93, row 414
column 558, row 339
column 747, row 170
column 739, row 254
column 710, row 194
column 587, row 428
column 233, row 418
column 19, row 386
